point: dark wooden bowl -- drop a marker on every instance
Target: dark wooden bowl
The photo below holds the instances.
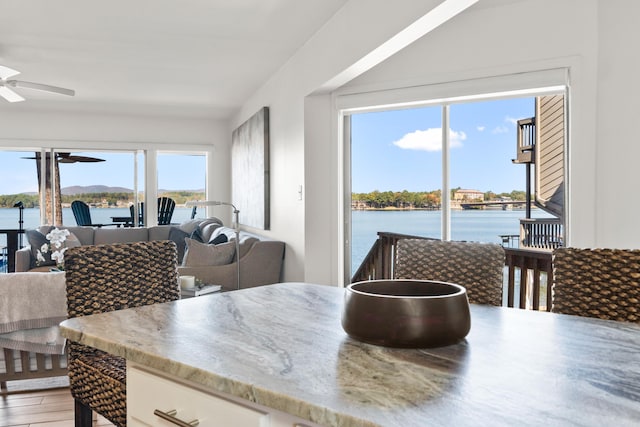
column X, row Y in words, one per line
column 406, row 313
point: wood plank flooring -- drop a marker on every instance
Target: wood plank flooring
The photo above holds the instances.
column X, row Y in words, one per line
column 41, row 403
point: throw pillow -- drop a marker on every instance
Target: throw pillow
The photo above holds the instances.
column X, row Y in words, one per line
column 207, row 231
column 36, row 239
column 202, row 254
column 177, row 236
column 197, row 235
column 220, row 238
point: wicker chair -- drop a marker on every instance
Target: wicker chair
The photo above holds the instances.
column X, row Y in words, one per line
column 602, row 283
column 476, row 266
column 105, row 278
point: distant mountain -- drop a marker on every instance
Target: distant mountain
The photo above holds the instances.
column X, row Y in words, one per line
column 88, row 189
column 79, row 189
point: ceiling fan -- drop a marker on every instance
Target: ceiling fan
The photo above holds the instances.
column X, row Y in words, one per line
column 11, row 96
column 68, row 158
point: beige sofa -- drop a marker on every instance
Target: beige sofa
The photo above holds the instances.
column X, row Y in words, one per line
column 261, row 258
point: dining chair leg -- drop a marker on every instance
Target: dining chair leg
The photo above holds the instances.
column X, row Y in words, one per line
column 83, row 415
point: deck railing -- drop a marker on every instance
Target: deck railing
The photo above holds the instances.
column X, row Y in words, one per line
column 8, row 252
column 541, row 233
column 528, row 273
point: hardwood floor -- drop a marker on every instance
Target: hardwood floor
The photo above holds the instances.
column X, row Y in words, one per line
column 41, row 403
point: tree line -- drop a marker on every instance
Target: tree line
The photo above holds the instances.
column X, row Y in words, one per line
column 420, row 199
column 110, row 199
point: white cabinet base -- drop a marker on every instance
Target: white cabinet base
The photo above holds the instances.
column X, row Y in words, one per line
column 149, row 392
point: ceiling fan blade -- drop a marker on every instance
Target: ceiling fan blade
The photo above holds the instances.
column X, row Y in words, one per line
column 10, row 95
column 42, row 87
column 85, row 159
column 6, row 72
column 69, row 158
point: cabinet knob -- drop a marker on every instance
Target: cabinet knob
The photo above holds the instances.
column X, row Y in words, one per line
column 171, row 417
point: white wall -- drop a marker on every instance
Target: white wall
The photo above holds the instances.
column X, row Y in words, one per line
column 525, row 36
column 617, row 172
column 301, row 158
column 592, row 38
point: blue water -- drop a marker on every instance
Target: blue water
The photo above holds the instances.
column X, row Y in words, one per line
column 472, row 225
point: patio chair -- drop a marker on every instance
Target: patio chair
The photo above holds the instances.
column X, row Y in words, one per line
column 140, row 214
column 82, row 214
column 476, row 266
column 102, row 278
column 601, row 283
column 166, row 205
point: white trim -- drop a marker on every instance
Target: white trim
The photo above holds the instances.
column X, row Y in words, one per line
column 498, row 87
column 22, row 144
column 445, row 210
column 519, row 84
column 345, row 228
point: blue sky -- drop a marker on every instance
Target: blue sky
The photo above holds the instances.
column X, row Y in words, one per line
column 176, row 172
column 401, row 150
column 393, row 150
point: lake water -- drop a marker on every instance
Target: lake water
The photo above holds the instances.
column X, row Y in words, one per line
column 473, row 225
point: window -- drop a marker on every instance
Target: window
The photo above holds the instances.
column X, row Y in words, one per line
column 408, row 176
column 106, row 180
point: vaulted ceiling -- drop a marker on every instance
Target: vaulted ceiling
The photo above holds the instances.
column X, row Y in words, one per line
column 192, row 57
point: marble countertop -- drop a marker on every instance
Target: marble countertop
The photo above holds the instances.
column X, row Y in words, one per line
column 283, row 346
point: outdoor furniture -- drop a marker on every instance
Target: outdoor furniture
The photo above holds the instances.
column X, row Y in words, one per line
column 82, row 214
column 101, row 278
column 476, row 266
column 166, row 206
column 127, row 221
column 140, row 214
column 601, row 283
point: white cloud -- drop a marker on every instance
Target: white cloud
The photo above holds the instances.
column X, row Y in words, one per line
column 480, row 128
column 429, row 140
column 511, row 120
column 500, row 129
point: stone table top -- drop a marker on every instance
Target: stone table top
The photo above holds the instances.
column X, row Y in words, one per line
column 283, row 346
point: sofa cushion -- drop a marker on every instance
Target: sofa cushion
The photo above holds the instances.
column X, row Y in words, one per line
column 221, row 238
column 246, row 243
column 177, row 236
column 84, row 234
column 159, row 232
column 104, row 236
column 207, row 231
column 203, row 254
column 196, row 234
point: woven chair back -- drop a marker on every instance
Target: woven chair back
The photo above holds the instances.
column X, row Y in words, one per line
column 103, row 278
column 601, row 283
column 476, row 266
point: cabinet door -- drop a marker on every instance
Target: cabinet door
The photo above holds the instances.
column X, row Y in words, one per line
column 147, row 393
